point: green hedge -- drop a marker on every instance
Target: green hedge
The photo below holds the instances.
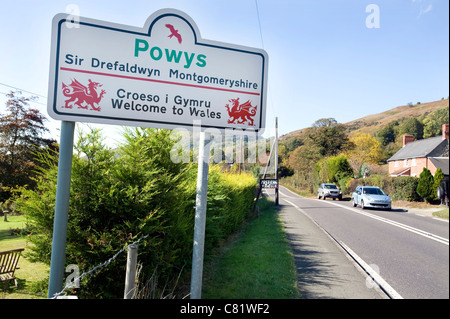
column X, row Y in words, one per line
column 119, row 196
column 398, row 188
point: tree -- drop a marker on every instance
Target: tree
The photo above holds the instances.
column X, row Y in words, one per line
column 386, row 134
column 432, row 124
column 425, row 185
column 366, row 149
column 413, row 127
column 301, row 160
column 438, row 177
column 21, row 138
column 328, row 136
column 334, row 169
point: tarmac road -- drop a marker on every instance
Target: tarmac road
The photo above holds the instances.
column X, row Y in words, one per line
column 406, row 253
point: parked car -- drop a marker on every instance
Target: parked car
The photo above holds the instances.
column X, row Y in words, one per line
column 371, row 196
column 329, row 190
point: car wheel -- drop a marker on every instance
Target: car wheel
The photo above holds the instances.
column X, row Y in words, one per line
column 362, row 204
column 318, row 196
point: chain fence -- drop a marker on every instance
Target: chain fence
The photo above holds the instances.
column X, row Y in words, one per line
column 98, row 267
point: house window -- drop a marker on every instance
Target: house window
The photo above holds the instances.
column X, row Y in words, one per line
column 405, row 163
column 413, row 162
column 396, row 164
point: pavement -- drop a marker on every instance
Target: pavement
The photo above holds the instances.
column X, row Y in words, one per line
column 324, row 269
column 423, row 211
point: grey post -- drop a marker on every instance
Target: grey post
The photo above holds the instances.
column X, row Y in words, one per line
column 276, row 161
column 130, row 276
column 61, row 209
column 200, row 216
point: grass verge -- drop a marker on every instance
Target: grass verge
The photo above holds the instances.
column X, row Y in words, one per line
column 256, row 264
column 10, row 233
column 442, row 214
column 30, row 276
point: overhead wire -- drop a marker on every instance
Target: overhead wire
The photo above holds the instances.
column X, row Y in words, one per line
column 22, row 90
column 13, row 87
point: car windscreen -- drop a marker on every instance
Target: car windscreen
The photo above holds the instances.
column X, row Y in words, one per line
column 373, row 191
column 331, row 187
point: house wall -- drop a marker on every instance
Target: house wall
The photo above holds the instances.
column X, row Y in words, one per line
column 416, row 166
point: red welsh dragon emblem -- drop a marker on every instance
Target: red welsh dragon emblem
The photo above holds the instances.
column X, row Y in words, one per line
column 83, row 96
column 241, row 112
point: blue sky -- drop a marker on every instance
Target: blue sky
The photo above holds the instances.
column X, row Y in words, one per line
column 323, row 59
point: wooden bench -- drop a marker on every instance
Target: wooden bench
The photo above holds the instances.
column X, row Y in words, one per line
column 8, row 264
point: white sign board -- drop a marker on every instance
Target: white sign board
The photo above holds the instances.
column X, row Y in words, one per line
column 163, row 75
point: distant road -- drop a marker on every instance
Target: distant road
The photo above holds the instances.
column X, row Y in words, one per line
column 410, row 252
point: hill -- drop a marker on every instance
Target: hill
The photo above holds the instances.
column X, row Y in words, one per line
column 372, row 123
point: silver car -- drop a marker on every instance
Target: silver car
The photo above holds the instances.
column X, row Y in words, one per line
column 371, row 196
column 329, row 190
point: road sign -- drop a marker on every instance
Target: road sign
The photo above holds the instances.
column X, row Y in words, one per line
column 163, row 75
column 268, row 183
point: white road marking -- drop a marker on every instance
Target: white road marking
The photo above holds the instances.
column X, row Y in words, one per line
column 372, row 273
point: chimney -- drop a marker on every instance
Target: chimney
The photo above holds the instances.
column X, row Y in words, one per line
column 445, row 132
column 407, row 139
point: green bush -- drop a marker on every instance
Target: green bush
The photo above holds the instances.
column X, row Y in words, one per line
column 230, row 200
column 425, row 185
column 438, row 177
column 119, row 196
column 404, row 188
column 334, row 169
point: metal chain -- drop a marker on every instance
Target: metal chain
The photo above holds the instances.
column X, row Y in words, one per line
column 100, row 266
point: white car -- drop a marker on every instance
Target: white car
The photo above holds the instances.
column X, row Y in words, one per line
column 371, row 196
column 329, row 190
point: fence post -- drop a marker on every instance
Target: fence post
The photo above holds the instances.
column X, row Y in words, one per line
column 130, row 276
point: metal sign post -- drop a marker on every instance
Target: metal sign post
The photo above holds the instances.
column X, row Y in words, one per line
column 61, row 208
column 276, row 161
column 200, row 216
